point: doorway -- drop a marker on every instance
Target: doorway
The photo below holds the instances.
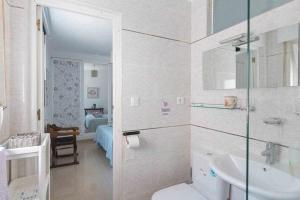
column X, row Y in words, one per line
column 92, row 68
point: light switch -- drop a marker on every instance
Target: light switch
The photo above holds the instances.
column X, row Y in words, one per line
column 134, row 101
column 180, row 100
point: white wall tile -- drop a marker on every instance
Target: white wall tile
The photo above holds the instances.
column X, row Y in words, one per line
column 161, row 161
column 199, row 19
column 169, row 18
column 159, row 71
column 19, row 77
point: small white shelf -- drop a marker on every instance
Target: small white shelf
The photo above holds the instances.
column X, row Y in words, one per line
column 38, row 183
column 27, row 185
column 24, row 152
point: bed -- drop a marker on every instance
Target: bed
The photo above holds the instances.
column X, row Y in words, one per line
column 92, row 121
column 104, row 138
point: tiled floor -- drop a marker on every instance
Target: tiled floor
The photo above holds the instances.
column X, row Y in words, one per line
column 90, row 180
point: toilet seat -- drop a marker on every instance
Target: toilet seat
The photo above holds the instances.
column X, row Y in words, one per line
column 178, row 192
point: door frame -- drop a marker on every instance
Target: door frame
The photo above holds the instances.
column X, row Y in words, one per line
column 116, row 18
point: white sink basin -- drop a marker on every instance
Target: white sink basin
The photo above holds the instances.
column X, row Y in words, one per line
column 264, row 181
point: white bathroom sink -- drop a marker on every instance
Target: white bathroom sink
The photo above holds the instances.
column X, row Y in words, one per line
column 264, row 181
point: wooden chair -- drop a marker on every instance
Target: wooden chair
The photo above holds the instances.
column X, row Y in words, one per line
column 63, row 138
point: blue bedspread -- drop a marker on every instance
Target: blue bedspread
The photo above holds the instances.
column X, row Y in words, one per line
column 104, row 138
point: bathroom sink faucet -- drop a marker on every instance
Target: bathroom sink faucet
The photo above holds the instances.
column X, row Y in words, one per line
column 271, row 152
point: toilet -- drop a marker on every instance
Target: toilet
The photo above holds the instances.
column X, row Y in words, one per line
column 206, row 183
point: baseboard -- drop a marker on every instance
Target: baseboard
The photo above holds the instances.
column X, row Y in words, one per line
column 87, row 136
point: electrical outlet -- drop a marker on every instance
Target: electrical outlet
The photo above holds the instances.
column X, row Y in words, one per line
column 180, row 100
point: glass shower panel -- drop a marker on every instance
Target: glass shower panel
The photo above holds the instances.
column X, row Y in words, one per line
column 273, row 137
column 220, row 9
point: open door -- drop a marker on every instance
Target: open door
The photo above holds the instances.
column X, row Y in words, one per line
column 40, row 68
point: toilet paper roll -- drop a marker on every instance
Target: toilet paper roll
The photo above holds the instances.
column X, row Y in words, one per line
column 132, row 141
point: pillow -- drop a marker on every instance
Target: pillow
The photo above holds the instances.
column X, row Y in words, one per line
column 98, row 114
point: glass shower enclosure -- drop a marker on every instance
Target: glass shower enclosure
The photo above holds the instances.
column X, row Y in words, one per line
column 273, row 126
column 255, row 67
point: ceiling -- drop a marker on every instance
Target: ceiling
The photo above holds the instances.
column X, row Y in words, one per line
column 73, row 32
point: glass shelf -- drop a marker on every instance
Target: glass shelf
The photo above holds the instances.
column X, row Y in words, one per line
column 218, row 106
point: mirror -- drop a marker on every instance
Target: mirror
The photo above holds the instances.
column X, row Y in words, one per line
column 274, row 61
column 2, row 48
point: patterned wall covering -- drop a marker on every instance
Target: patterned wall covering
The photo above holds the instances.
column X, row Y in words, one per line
column 66, row 93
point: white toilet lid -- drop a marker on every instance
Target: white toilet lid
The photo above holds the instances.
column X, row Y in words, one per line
column 178, row 192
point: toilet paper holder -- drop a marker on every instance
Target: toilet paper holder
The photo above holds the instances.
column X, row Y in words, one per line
column 132, row 139
column 127, row 133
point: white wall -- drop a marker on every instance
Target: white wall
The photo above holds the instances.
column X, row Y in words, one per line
column 200, row 16
column 21, row 102
column 154, row 69
column 4, row 17
column 2, row 52
column 221, row 130
column 101, row 82
column 89, row 58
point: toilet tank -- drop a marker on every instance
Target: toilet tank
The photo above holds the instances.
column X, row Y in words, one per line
column 205, row 180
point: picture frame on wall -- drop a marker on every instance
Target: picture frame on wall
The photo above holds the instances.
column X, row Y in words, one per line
column 93, row 92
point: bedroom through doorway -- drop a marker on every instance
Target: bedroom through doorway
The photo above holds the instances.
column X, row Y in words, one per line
column 77, row 58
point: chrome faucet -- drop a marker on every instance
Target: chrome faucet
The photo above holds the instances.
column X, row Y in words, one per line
column 271, row 152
